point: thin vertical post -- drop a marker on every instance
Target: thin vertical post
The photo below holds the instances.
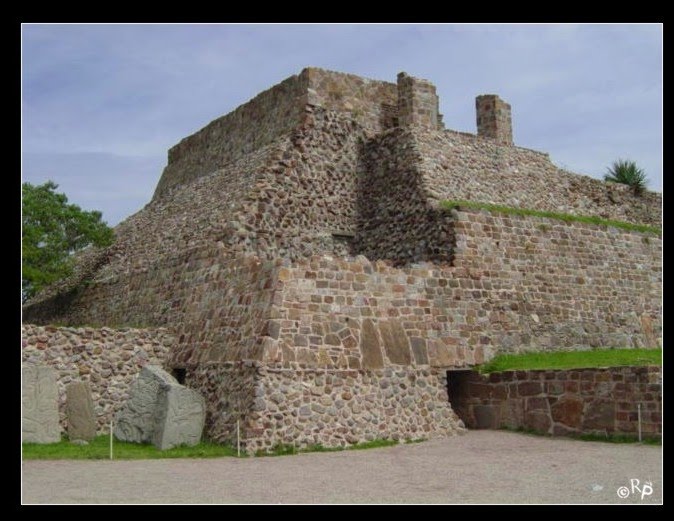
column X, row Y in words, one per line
column 238, row 440
column 110, row 438
column 639, row 420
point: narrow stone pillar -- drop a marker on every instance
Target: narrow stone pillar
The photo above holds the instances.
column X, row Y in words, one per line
column 417, row 102
column 494, row 119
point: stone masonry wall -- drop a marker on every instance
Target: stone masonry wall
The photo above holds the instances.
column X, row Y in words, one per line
column 304, row 406
column 230, row 137
column 562, row 402
column 572, row 285
column 372, row 104
column 457, row 166
column 515, row 284
column 275, row 112
column 108, row 359
column 395, row 220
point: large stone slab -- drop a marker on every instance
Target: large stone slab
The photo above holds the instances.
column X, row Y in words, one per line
column 395, row 342
column 135, row 422
column 180, row 417
column 370, row 347
column 80, row 412
column 40, row 411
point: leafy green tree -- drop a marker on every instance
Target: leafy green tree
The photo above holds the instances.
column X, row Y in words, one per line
column 52, row 231
column 627, row 173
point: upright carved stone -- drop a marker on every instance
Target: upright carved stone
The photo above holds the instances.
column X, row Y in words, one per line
column 80, row 412
column 40, row 422
column 161, row 411
column 179, row 417
column 136, row 420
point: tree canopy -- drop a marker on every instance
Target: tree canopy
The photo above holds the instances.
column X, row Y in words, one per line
column 52, row 231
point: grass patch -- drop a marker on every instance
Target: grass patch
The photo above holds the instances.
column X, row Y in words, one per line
column 573, row 359
column 285, row 450
column 99, row 448
column 508, row 210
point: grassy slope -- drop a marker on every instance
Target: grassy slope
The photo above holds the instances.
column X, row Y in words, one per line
column 574, row 359
column 552, row 215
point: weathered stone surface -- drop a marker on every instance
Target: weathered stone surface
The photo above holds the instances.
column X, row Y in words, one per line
column 568, row 411
column 39, row 398
column 395, row 342
column 538, row 421
column 599, row 415
column 369, row 346
column 136, row 421
column 80, row 412
column 419, row 350
column 605, row 402
column 486, row 417
column 179, row 417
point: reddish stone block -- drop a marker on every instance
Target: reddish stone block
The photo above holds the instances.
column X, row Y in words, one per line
column 554, row 388
column 602, row 376
column 495, row 377
column 568, row 411
column 508, row 376
column 529, row 388
column 537, row 404
column 600, row 414
column 537, row 421
column 571, row 387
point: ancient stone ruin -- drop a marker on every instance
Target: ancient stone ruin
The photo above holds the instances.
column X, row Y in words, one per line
column 312, row 285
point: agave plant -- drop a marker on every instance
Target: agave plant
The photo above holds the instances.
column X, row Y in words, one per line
column 627, row 173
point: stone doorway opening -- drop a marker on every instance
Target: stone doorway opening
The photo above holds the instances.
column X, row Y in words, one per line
column 457, row 392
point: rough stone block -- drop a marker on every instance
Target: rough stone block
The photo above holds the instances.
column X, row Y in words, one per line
column 80, row 412
column 568, row 411
column 135, row 422
column 529, row 388
column 40, row 413
column 538, row 421
column 179, row 417
column 486, row 416
column 600, row 415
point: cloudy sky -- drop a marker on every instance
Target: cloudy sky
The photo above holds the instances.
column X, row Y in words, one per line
column 102, row 104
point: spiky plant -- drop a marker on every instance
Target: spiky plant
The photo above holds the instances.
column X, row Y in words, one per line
column 628, row 173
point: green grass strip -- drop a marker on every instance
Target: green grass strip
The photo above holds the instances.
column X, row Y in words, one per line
column 285, row 450
column 552, row 215
column 99, row 448
column 574, row 359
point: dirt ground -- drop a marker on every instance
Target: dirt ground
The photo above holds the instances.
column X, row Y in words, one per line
column 478, row 467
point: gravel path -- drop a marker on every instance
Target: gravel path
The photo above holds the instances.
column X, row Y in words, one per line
column 479, row 467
